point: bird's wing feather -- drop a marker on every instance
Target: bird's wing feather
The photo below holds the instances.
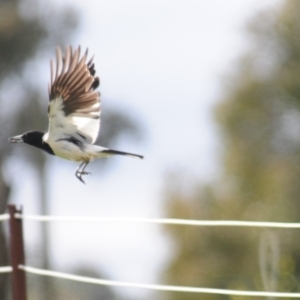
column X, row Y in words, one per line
column 74, row 107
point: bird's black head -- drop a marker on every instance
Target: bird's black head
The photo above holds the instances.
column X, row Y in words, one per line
column 33, row 138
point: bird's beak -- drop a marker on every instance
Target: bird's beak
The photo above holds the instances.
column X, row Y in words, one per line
column 16, row 139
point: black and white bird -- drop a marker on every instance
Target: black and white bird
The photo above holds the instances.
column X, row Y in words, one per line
column 73, row 111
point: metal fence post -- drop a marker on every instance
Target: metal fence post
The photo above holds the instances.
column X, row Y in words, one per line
column 17, row 254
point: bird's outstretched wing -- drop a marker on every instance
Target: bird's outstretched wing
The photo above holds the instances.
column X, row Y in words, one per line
column 74, row 109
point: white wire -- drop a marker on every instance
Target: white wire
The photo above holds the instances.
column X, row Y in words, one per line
column 155, row 286
column 4, row 217
column 44, row 218
column 6, row 269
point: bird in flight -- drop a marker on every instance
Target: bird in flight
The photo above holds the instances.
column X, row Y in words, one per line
column 73, row 112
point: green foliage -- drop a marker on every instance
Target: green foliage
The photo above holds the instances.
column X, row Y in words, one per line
column 62, row 289
column 259, row 117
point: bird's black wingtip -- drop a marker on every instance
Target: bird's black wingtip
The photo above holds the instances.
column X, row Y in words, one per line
column 116, row 152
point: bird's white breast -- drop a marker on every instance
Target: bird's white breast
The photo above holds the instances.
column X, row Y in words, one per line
column 68, row 150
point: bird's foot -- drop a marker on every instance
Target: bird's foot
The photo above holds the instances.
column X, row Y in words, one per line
column 85, row 173
column 79, row 174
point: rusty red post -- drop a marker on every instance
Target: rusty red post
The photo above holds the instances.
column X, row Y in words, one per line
column 17, row 255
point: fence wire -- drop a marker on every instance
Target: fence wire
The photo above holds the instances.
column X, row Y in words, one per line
column 42, row 272
column 7, row 269
column 4, row 217
column 44, row 218
column 156, row 287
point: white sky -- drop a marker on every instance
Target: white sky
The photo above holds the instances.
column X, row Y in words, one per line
column 161, row 61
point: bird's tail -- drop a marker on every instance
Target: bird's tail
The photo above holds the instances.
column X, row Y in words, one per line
column 116, row 152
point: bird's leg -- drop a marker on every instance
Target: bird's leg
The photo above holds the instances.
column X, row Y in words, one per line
column 80, row 171
column 84, row 172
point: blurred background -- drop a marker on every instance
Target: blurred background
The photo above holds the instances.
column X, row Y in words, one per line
column 209, row 92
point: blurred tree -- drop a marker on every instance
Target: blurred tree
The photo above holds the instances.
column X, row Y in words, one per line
column 67, row 289
column 259, row 117
column 26, row 31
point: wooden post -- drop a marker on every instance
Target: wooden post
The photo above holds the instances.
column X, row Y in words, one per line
column 17, row 254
